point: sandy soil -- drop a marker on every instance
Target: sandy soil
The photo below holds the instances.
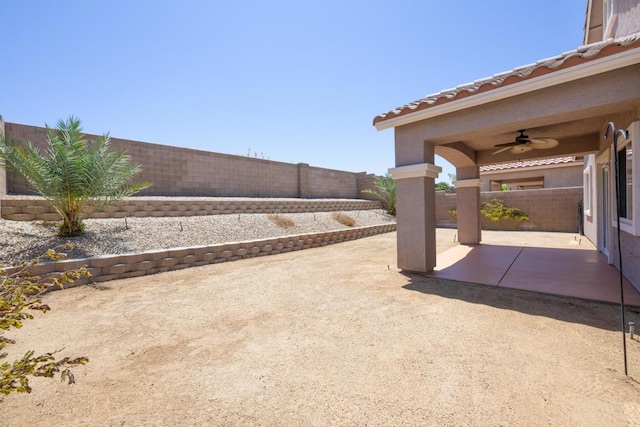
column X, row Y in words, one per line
column 328, row 336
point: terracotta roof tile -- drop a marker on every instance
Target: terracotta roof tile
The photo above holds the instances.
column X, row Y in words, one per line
column 544, row 66
column 529, row 163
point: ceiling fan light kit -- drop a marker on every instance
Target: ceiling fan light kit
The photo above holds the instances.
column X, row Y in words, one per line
column 523, row 143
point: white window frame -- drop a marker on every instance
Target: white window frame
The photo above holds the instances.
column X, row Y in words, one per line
column 631, row 226
column 586, row 191
column 609, row 16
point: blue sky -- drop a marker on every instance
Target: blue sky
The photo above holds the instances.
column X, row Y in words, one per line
column 295, row 81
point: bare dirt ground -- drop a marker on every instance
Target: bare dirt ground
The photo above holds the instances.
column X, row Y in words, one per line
column 327, row 336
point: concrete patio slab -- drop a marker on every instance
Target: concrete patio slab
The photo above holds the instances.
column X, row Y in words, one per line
column 478, row 264
column 555, row 263
column 571, row 273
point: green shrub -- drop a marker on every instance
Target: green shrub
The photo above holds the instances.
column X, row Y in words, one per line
column 496, row 210
column 444, row 186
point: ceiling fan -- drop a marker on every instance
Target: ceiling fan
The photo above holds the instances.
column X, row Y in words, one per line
column 523, row 143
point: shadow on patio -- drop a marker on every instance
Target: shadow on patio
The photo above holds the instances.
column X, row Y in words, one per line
column 534, row 303
column 562, row 274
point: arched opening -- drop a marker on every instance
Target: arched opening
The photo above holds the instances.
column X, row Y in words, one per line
column 467, row 190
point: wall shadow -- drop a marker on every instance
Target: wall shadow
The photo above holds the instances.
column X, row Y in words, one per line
column 596, row 314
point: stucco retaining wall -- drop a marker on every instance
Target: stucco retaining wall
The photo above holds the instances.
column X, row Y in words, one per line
column 549, row 209
column 30, row 209
column 111, row 267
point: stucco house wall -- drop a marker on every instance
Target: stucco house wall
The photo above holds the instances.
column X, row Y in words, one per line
column 627, row 19
column 604, row 233
column 598, row 226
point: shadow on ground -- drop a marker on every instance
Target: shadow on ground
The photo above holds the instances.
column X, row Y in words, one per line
column 595, row 314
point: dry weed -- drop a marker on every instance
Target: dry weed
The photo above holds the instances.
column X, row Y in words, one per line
column 344, row 219
column 281, row 221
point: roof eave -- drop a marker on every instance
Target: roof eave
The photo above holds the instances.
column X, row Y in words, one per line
column 573, row 164
column 587, row 69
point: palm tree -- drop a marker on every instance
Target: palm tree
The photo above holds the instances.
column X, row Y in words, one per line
column 385, row 191
column 73, row 175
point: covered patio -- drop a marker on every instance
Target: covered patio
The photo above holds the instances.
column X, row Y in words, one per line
column 570, row 98
column 550, row 263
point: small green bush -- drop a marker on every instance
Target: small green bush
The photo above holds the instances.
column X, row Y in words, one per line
column 444, row 186
column 496, row 210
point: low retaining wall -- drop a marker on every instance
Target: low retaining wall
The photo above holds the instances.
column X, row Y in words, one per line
column 38, row 209
column 111, row 267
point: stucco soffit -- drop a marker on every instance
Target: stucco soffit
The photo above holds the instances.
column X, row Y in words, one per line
column 423, row 170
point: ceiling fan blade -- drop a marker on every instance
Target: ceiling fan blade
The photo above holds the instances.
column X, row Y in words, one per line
column 519, row 149
column 508, row 144
column 543, row 143
column 501, row 150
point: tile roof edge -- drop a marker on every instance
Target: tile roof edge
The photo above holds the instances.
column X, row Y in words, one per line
column 585, row 52
column 533, row 163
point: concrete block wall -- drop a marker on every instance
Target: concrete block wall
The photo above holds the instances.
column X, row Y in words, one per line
column 328, row 183
column 3, row 173
column 110, row 267
column 445, row 203
column 185, row 172
column 304, row 185
column 365, row 181
column 176, row 171
column 552, row 209
column 34, row 208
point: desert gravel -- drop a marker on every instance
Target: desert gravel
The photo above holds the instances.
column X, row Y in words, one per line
column 23, row 240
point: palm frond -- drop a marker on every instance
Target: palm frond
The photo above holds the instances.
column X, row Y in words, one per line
column 73, row 173
column 385, row 191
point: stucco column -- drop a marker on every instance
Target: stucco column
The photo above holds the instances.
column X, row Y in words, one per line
column 416, row 213
column 468, row 205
